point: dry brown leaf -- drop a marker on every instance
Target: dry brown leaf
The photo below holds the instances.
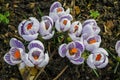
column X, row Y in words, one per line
column 77, row 10
column 108, row 26
column 31, row 5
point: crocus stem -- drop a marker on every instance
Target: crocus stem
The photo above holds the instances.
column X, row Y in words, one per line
column 95, row 72
column 116, row 67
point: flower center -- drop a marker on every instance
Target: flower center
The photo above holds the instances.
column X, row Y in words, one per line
column 46, row 26
column 35, row 57
column 29, row 26
column 98, row 57
column 92, row 41
column 73, row 51
column 65, row 22
column 17, row 54
column 76, row 28
column 59, row 10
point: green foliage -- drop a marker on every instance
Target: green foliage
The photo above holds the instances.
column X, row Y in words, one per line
column 4, row 17
column 94, row 14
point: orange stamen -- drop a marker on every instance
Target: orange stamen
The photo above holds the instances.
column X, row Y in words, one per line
column 76, row 28
column 65, row 22
column 35, row 57
column 59, row 10
column 92, row 41
column 73, row 51
column 29, row 26
column 98, row 57
column 17, row 54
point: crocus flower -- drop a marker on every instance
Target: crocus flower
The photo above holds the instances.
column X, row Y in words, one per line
column 117, row 47
column 56, row 11
column 63, row 23
column 36, row 56
column 14, row 56
column 90, row 26
column 46, row 26
column 98, row 58
column 72, row 51
column 75, row 30
column 28, row 29
column 91, row 41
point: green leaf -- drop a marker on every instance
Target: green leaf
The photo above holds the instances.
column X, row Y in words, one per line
column 94, row 14
column 7, row 14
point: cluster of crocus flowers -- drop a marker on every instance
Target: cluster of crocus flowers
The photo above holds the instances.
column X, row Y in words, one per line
column 56, row 11
column 35, row 56
column 92, row 40
column 84, row 37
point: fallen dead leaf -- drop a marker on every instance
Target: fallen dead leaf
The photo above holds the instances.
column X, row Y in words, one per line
column 77, row 9
column 108, row 26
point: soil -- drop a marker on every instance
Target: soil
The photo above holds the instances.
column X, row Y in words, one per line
column 108, row 21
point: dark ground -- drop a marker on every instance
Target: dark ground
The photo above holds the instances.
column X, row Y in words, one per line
column 108, row 21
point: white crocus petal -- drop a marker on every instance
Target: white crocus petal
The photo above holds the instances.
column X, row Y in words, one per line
column 77, row 61
column 100, row 50
column 67, row 26
column 30, row 37
column 62, row 50
column 57, row 26
column 90, row 61
column 73, row 37
column 49, row 36
column 45, row 61
column 103, row 64
column 117, row 47
column 27, row 61
column 22, row 65
column 91, row 47
column 35, row 24
column 67, row 11
column 54, row 16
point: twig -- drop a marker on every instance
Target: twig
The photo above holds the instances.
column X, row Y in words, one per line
column 60, row 73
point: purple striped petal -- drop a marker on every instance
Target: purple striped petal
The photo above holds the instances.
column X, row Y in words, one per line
column 36, row 44
column 7, row 59
column 80, row 46
column 62, row 50
column 49, row 19
column 78, row 61
column 55, row 5
column 16, row 43
column 71, row 45
column 68, row 16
